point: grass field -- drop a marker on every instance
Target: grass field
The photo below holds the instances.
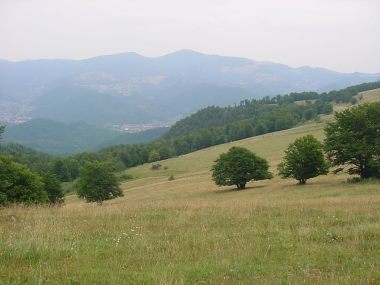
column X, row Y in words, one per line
column 369, row 96
column 189, row 231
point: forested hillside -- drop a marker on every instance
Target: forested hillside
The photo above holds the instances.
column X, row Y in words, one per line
column 35, row 160
column 135, row 138
column 57, row 138
column 215, row 125
column 249, row 109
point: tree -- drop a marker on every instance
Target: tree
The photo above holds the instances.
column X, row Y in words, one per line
column 2, row 128
column 19, row 185
column 353, row 140
column 72, row 167
column 97, row 183
column 53, row 188
column 238, row 166
column 308, row 114
column 303, row 160
column 154, row 156
column 61, row 170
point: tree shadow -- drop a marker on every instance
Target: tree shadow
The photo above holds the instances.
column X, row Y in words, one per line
column 237, row 190
column 310, row 185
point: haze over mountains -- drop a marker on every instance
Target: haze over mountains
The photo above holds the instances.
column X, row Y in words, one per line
column 57, row 138
column 130, row 88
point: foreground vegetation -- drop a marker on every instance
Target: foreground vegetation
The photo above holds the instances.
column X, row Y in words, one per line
column 188, row 230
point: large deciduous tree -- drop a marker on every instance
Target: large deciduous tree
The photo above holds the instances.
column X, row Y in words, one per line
column 303, row 160
column 353, row 140
column 239, row 166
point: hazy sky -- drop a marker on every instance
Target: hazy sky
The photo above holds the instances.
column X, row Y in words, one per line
column 343, row 35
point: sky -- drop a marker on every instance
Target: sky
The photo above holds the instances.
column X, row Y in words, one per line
column 343, row 35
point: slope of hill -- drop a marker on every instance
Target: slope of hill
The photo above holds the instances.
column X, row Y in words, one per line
column 369, row 96
column 212, row 117
column 189, row 231
column 135, row 138
column 132, row 88
column 62, row 139
column 216, row 125
column 58, row 138
column 271, row 146
column 35, row 160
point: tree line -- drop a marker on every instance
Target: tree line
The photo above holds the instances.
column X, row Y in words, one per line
column 19, row 184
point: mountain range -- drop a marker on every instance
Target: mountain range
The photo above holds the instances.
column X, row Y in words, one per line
column 131, row 88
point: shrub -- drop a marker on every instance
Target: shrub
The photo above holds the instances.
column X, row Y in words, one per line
column 156, row 166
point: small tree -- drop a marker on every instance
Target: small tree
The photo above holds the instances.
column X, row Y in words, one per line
column 353, row 140
column 303, row 160
column 154, row 156
column 53, row 188
column 61, row 170
column 97, row 183
column 2, row 128
column 239, row 166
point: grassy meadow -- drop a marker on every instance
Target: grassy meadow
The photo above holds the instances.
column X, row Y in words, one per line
column 190, row 231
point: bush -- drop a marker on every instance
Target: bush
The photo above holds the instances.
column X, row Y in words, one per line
column 125, row 177
column 353, row 101
column 156, row 166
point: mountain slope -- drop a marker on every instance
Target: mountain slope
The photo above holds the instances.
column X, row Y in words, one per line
column 61, row 139
column 135, row 89
column 135, row 138
column 57, row 138
column 195, row 166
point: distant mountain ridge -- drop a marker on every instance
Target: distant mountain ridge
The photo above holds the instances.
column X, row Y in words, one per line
column 131, row 88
